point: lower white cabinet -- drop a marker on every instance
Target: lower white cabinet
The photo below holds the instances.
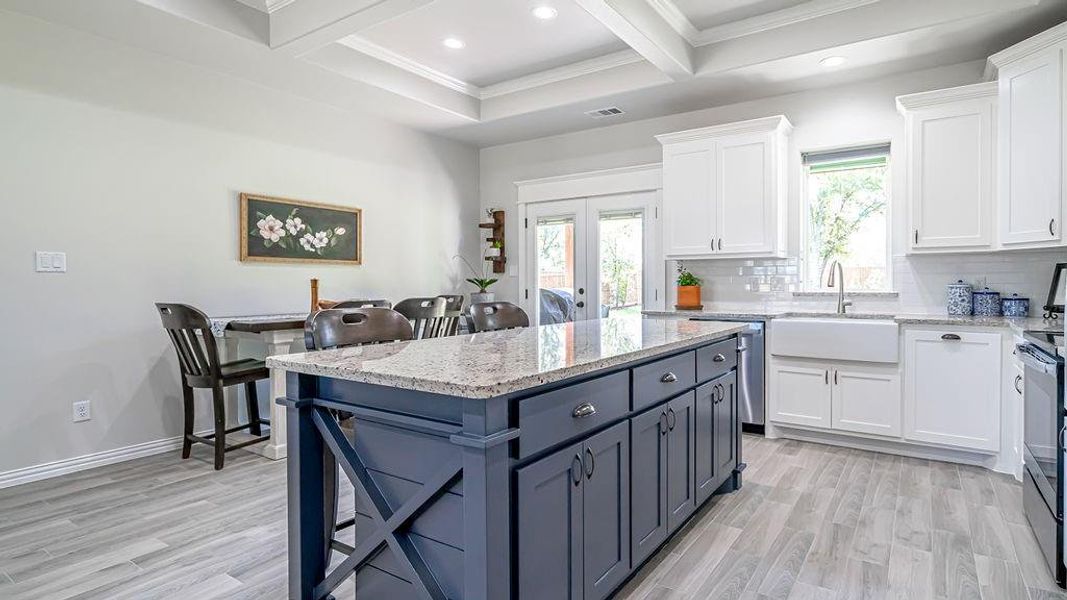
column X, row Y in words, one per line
column 952, row 388
column 860, row 398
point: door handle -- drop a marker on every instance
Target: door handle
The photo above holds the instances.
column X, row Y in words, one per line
column 1018, row 381
column 668, row 377
column 718, row 358
column 1063, row 444
column 950, row 337
column 581, row 290
column 576, row 470
column 663, row 423
column 583, row 410
column 580, row 304
column 592, row 464
column 672, row 420
column 720, row 243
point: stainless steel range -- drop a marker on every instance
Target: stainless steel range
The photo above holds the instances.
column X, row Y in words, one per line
column 1044, row 433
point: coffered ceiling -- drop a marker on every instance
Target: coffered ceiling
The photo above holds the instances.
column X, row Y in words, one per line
column 494, row 71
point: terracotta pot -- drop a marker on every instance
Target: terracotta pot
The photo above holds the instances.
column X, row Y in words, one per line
column 689, row 297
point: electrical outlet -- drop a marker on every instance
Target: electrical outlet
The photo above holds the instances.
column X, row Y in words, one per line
column 82, row 411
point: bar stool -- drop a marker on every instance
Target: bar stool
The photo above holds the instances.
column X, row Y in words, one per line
column 363, row 304
column 198, row 358
column 425, row 314
column 449, row 325
column 494, row 316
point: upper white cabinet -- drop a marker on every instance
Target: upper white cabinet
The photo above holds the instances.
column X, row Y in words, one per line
column 951, row 140
column 952, row 388
column 1033, row 134
column 724, row 190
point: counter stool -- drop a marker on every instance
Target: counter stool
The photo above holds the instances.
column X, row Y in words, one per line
column 198, row 359
column 494, row 316
column 425, row 314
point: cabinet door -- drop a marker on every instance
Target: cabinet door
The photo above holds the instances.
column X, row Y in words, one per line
column 1031, row 150
column 648, row 482
column 606, row 511
column 952, row 388
column 681, row 474
column 550, row 526
column 727, row 442
column 801, row 393
column 704, row 463
column 866, row 399
column 950, row 175
column 688, row 202
column 745, row 194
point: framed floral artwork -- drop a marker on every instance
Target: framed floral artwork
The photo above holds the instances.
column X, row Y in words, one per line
column 283, row 230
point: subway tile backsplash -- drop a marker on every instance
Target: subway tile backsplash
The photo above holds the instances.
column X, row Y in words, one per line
column 919, row 280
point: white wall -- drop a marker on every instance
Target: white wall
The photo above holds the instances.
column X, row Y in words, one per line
column 827, row 118
column 131, row 164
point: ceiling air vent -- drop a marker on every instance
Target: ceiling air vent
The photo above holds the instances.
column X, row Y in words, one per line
column 602, row 113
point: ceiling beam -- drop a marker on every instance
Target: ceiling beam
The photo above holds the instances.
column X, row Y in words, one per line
column 301, row 27
column 643, row 29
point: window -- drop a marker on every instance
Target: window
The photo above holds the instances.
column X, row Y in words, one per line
column 846, row 217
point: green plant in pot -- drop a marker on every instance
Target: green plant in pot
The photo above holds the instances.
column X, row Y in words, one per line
column 480, row 280
column 688, row 290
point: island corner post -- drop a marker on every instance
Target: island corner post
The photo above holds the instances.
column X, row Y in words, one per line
column 438, row 477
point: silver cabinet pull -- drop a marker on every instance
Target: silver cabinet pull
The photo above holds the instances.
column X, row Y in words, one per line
column 576, row 469
column 1052, row 227
column 668, row 377
column 1018, row 382
column 950, row 337
column 663, row 423
column 583, row 410
column 826, row 377
column 592, row 464
column 672, row 420
column 720, row 243
column 718, row 358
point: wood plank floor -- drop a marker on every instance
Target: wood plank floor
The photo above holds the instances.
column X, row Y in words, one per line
column 812, row 522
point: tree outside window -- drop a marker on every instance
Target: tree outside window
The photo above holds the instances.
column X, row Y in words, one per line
column 847, row 221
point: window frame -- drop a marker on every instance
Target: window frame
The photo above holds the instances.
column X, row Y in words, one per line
column 807, row 286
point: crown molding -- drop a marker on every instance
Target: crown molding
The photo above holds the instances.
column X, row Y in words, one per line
column 962, row 93
column 813, row 9
column 267, row 6
column 385, row 55
column 1025, row 48
column 674, row 17
column 578, row 69
column 764, row 124
column 620, row 180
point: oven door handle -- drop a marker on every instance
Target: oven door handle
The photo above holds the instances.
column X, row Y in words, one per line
column 1033, row 361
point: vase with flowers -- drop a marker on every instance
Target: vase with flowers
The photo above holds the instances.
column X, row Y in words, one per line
column 688, row 290
column 481, row 280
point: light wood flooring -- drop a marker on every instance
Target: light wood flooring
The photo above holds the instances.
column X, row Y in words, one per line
column 811, row 522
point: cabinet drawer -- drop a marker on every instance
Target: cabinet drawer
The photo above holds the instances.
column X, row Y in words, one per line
column 559, row 415
column 716, row 359
column 663, row 379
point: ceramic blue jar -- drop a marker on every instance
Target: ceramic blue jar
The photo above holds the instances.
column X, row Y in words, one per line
column 986, row 303
column 959, row 298
column 1015, row 306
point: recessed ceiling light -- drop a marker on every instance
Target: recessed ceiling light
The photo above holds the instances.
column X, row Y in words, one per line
column 833, row 61
column 545, row 13
column 454, row 43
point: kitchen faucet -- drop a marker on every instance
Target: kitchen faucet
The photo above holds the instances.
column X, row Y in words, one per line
column 838, row 272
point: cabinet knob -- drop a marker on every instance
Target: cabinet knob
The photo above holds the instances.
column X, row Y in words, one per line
column 950, row 337
column 583, row 410
column 668, row 377
column 718, row 358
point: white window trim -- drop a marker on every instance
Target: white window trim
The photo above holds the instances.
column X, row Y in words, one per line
column 805, row 285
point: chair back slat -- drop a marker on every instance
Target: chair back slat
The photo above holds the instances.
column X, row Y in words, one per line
column 190, row 332
column 363, row 304
column 424, row 313
column 337, row 328
column 494, row 316
column 449, row 324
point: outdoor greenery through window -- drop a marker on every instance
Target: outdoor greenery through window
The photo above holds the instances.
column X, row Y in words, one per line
column 847, row 218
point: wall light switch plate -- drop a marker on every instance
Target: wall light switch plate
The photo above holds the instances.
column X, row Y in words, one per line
column 51, row 262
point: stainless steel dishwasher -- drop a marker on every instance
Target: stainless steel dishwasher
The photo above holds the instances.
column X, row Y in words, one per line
column 750, row 374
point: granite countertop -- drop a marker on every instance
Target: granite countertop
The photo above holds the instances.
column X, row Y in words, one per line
column 484, row 365
column 765, row 312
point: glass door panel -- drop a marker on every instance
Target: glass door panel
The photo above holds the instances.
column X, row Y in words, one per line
column 557, row 248
column 621, row 258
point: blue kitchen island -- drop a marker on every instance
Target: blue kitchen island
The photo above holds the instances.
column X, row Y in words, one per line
column 542, row 462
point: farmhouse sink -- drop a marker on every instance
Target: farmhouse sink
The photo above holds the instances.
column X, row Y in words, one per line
column 864, row 340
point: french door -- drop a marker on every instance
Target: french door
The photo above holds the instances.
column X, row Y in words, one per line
column 587, row 258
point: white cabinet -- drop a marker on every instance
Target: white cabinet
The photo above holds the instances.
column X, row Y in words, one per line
column 1033, row 134
column 724, row 190
column 855, row 397
column 952, row 388
column 951, row 140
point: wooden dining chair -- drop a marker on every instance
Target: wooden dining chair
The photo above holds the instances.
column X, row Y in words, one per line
column 198, row 359
column 363, row 304
column 494, row 316
column 449, row 324
column 424, row 313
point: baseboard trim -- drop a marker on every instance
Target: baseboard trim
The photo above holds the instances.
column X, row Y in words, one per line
column 88, row 461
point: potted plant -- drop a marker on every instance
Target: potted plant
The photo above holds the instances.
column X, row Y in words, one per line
column 688, row 290
column 481, row 280
column 493, row 251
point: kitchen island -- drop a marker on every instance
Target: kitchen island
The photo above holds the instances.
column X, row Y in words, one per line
column 542, row 462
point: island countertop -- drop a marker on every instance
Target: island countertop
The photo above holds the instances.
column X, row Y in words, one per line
column 491, row 364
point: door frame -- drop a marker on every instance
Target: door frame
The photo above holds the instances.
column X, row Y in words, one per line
column 591, row 184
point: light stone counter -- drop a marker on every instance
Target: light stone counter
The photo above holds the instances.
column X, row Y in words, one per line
column 486, row 365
